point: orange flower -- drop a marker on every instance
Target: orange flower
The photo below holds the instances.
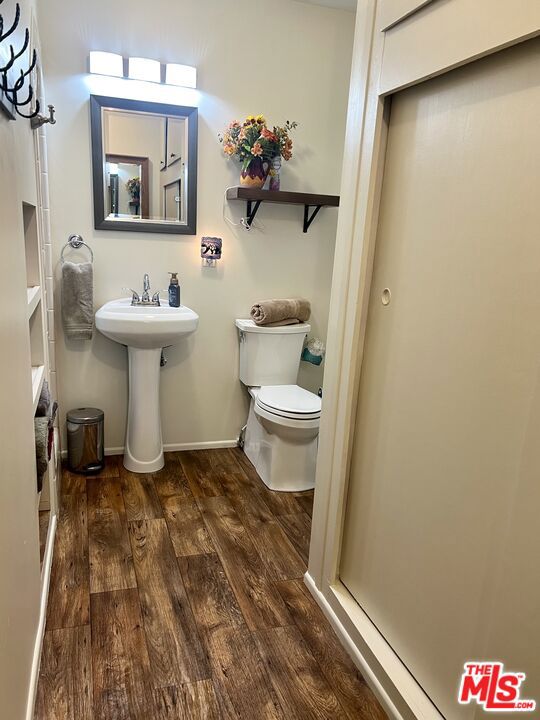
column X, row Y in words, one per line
column 228, row 149
column 257, row 149
column 287, row 149
column 267, row 135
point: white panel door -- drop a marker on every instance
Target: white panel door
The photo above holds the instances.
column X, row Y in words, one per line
column 442, row 528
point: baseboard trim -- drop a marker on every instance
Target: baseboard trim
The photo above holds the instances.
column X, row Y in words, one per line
column 45, row 581
column 175, row 447
column 357, row 657
column 211, row 445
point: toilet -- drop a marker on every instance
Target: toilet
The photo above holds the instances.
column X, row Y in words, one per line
column 283, row 423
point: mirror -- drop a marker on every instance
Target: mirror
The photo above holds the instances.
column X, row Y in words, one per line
column 144, row 165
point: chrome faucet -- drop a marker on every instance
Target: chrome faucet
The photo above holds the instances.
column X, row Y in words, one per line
column 146, row 288
column 145, row 298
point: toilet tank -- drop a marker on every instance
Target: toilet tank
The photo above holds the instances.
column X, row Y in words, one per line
column 270, row 355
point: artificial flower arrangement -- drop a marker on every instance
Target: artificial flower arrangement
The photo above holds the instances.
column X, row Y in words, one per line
column 258, row 148
column 134, row 188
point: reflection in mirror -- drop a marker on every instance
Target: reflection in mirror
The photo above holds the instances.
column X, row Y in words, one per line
column 127, row 186
column 145, row 166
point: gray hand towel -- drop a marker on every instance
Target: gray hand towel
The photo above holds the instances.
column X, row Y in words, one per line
column 78, row 300
column 281, row 312
column 41, row 428
column 44, row 402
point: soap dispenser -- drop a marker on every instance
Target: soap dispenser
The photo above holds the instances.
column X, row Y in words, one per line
column 174, row 290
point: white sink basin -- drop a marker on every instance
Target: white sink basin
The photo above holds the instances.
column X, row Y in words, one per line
column 145, row 327
column 145, row 331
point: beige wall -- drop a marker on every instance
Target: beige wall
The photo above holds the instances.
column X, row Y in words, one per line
column 288, row 60
column 19, row 543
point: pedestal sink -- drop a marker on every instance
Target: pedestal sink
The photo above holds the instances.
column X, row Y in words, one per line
column 145, row 331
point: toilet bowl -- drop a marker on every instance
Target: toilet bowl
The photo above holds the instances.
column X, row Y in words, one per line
column 283, row 422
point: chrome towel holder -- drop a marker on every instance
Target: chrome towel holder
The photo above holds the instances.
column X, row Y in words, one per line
column 75, row 242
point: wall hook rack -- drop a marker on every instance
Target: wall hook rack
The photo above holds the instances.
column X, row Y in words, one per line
column 11, row 90
column 38, row 120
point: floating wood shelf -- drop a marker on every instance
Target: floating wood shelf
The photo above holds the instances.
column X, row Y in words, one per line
column 254, row 198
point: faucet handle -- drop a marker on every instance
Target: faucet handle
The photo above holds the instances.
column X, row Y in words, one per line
column 155, row 296
column 134, row 295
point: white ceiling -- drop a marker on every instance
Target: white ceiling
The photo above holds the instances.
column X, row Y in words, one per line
column 341, row 4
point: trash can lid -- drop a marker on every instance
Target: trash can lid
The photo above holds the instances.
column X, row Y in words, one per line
column 85, row 415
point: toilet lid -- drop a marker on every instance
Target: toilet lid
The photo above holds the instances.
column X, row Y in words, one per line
column 290, row 401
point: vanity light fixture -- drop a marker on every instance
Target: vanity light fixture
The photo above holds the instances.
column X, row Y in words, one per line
column 181, row 75
column 144, row 69
column 106, row 63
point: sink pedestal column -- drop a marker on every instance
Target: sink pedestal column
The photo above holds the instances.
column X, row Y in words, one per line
column 144, row 446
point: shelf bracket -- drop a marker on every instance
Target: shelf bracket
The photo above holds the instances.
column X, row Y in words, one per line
column 308, row 219
column 252, row 211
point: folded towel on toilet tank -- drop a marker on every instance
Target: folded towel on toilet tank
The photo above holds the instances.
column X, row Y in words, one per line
column 287, row 311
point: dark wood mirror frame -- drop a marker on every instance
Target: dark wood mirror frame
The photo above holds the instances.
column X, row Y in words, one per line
column 97, row 103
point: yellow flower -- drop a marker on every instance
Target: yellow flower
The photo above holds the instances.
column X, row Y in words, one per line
column 261, row 119
column 228, row 149
column 250, row 119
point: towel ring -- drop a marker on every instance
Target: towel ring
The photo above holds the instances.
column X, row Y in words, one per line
column 75, row 242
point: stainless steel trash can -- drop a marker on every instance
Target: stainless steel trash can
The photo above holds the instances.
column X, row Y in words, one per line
column 85, row 440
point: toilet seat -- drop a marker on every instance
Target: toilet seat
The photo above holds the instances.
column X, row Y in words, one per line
column 289, row 401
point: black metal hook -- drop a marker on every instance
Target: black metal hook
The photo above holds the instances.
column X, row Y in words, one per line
column 31, row 115
column 16, row 56
column 32, row 66
column 19, row 103
column 4, row 35
column 12, row 93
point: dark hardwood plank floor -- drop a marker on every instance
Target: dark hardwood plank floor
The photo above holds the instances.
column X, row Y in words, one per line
column 298, row 528
column 141, row 499
column 188, row 532
column 111, row 564
column 196, row 701
column 258, row 598
column 179, row 595
column 69, row 594
column 44, row 519
column 65, row 682
column 349, row 686
column 173, row 641
column 296, row 675
column 121, row 666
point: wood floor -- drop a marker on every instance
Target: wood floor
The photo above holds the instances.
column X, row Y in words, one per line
column 180, row 595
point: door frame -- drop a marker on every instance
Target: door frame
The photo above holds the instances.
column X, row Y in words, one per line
column 386, row 59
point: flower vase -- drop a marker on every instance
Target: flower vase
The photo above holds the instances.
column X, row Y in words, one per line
column 255, row 174
column 275, row 170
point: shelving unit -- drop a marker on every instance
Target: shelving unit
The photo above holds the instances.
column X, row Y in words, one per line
column 34, row 298
column 39, row 360
column 38, row 376
column 312, row 202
